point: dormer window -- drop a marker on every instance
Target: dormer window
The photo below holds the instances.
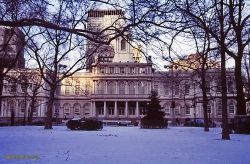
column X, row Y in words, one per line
column 123, row 44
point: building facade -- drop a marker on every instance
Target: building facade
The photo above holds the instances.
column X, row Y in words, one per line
column 118, row 85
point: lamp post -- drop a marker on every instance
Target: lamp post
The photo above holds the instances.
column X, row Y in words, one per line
column 57, row 104
column 172, row 107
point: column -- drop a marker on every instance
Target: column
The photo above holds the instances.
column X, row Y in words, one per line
column 106, row 88
column 116, row 112
column 105, row 109
column 126, row 109
column 93, row 109
column 137, row 109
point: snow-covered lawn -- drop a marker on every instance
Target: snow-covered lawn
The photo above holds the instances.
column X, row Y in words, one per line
column 122, row 145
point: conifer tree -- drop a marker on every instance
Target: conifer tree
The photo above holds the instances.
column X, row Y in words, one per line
column 153, row 111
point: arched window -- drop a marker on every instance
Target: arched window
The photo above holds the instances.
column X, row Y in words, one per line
column 188, row 109
column 131, row 88
column 77, row 109
column 101, row 88
column 142, row 86
column 22, row 107
column 121, row 88
column 166, row 108
column 231, row 108
column 219, row 108
column 177, row 110
column 111, row 88
column 123, row 44
column 209, row 108
column 66, row 109
column 12, row 107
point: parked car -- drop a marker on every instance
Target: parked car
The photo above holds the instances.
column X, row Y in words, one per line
column 195, row 122
column 82, row 124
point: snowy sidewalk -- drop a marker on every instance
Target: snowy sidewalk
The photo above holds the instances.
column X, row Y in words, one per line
column 120, row 145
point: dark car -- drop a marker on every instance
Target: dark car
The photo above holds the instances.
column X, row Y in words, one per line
column 195, row 122
column 82, row 124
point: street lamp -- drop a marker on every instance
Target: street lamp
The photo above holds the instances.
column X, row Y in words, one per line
column 57, row 104
column 172, row 90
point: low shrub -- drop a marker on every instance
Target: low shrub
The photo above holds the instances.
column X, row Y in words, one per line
column 4, row 123
column 38, row 123
column 154, row 124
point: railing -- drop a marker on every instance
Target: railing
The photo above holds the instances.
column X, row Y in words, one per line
column 119, row 95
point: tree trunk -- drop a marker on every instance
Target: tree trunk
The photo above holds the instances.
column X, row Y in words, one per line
column 225, row 128
column 1, row 88
column 48, row 122
column 241, row 105
column 30, row 114
column 205, row 100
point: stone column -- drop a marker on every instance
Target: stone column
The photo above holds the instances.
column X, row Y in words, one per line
column 116, row 112
column 105, row 108
column 126, row 109
column 137, row 109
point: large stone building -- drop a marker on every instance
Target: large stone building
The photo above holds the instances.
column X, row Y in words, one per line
column 118, row 84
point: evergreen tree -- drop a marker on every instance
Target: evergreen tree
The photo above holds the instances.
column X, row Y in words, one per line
column 153, row 111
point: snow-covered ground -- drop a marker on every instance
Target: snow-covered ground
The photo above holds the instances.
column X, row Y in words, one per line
column 121, row 145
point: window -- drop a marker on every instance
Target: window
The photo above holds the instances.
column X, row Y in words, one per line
column 230, row 87
column 142, row 70
column 12, row 87
column 101, row 88
column 111, row 70
column 12, row 107
column 177, row 111
column 176, row 89
column 207, row 86
column 77, row 90
column 187, row 88
column 121, row 111
column 167, row 88
column 142, row 87
column 209, row 108
column 166, row 108
column 219, row 108
column 131, row 111
column 122, row 70
column 142, row 111
column 131, row 88
column 67, row 109
column 56, row 107
column 123, row 44
column 67, row 91
column 111, row 111
column 187, row 111
column 77, row 109
column 231, row 108
column 101, row 70
column 111, row 88
column 156, row 88
column 121, row 88
column 101, row 111
column 132, row 70
column 218, row 86
column 22, row 106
